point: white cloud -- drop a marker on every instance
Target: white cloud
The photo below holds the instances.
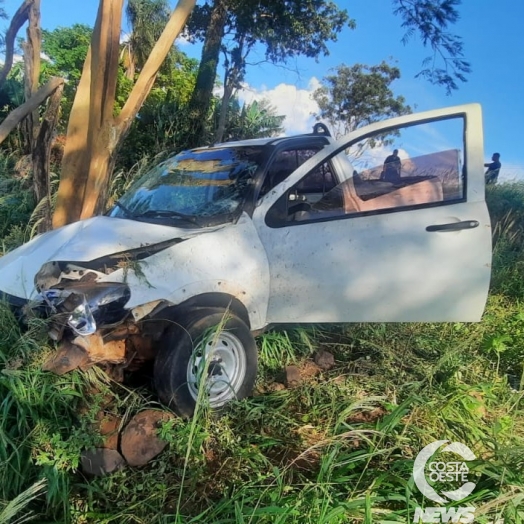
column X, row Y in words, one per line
column 296, row 104
column 183, row 41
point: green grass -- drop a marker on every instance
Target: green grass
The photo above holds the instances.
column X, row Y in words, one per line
column 339, row 448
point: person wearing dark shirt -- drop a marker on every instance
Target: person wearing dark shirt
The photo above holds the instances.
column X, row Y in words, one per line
column 392, row 168
column 493, row 170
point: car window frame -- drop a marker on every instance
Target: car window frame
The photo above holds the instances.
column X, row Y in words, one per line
column 338, row 149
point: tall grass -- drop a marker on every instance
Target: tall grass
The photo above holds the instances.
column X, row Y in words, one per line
column 338, row 448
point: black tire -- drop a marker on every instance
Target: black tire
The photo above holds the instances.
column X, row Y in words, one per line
column 179, row 362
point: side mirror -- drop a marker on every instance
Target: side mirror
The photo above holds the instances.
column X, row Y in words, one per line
column 295, row 197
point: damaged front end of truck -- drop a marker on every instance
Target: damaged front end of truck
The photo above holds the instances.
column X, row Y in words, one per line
column 86, row 311
column 88, row 320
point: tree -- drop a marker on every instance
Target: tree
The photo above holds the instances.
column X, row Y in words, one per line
column 97, row 125
column 66, row 49
column 94, row 133
column 254, row 120
column 431, row 18
column 147, row 19
column 161, row 126
column 201, row 98
column 359, row 95
column 37, row 132
column 285, row 29
column 302, row 27
column 20, row 17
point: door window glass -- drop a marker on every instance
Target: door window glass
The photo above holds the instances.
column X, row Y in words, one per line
column 285, row 162
column 407, row 167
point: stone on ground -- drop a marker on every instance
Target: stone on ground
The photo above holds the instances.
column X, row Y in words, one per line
column 324, row 360
column 101, row 461
column 108, row 426
column 293, row 377
column 140, row 442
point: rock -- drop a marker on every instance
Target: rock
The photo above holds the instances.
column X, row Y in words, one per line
column 293, row 377
column 98, row 350
column 108, row 426
column 101, row 461
column 324, row 360
column 139, row 442
column 68, row 357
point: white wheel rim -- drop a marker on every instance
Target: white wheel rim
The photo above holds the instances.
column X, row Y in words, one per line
column 225, row 359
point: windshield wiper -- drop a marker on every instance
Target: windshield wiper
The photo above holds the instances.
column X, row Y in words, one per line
column 167, row 213
column 125, row 209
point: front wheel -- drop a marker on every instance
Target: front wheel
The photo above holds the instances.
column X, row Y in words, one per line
column 212, row 358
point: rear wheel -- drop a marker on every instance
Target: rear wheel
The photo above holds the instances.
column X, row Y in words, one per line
column 212, row 357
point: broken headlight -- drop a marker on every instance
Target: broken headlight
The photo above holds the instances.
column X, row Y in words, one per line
column 87, row 306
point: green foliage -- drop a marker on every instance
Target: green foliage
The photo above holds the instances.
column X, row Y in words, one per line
column 3, row 16
column 66, row 48
column 431, row 19
column 359, row 95
column 11, row 96
column 13, row 508
column 254, row 120
column 161, row 125
column 16, row 204
column 338, row 448
column 506, row 205
column 147, row 19
column 284, row 29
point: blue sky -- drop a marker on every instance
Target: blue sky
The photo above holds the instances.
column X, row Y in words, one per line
column 494, row 44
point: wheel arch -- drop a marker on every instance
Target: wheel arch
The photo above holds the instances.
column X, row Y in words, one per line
column 212, row 301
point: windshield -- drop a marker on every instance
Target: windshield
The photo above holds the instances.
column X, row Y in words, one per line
column 193, row 184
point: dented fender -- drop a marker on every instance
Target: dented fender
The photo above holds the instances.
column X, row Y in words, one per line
column 230, row 260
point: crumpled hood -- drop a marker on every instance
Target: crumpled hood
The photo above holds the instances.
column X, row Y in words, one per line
column 80, row 242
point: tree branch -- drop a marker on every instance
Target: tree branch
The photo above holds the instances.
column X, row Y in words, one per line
column 16, row 116
column 148, row 74
column 19, row 19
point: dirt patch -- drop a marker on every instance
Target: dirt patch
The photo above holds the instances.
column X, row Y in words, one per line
column 367, row 417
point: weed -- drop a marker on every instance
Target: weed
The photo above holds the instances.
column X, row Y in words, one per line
column 339, row 448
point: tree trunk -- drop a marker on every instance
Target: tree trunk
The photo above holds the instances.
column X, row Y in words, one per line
column 70, row 196
column 18, row 20
column 16, row 116
column 32, row 72
column 224, row 108
column 41, row 155
column 93, row 134
column 205, row 81
column 147, row 75
column 101, row 139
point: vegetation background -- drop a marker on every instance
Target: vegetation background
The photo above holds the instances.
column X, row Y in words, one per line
column 337, row 448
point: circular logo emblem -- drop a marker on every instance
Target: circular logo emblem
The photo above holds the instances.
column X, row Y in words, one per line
column 443, row 471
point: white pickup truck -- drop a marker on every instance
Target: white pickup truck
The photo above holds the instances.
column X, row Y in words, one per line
column 303, row 229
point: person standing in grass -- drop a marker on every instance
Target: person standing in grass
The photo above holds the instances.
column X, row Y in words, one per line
column 492, row 173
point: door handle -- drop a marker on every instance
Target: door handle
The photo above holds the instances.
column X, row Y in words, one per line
column 454, row 226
